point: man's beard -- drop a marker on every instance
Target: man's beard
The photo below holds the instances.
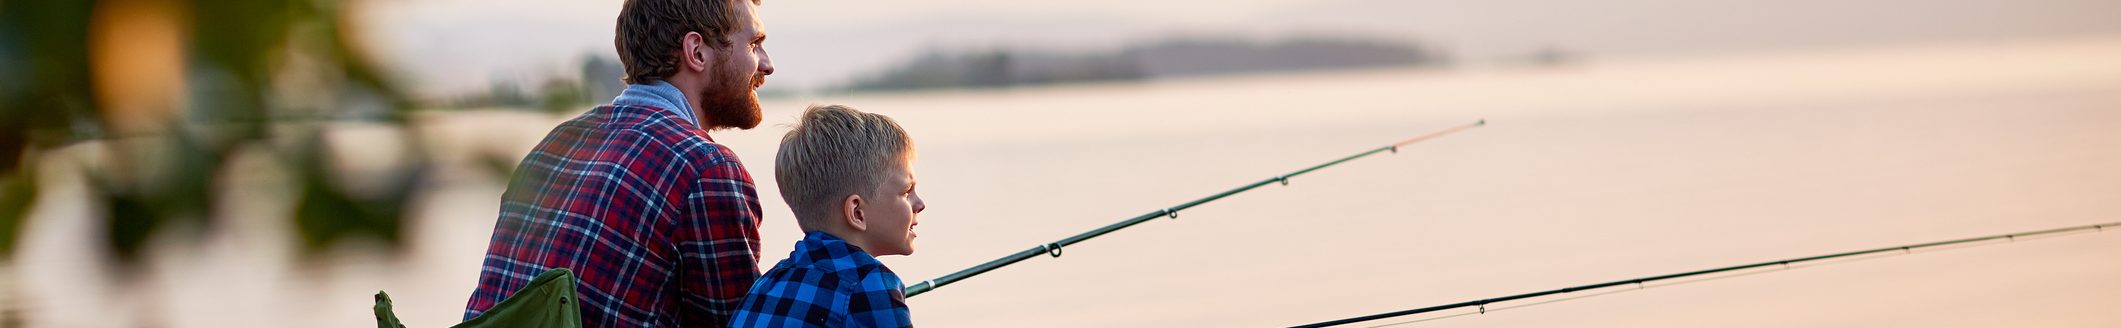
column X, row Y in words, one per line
column 729, row 101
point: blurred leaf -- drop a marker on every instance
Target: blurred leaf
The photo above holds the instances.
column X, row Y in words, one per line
column 132, row 221
column 43, row 55
column 43, row 59
column 18, row 190
column 150, row 203
column 327, row 214
column 232, row 55
column 238, row 38
column 503, row 168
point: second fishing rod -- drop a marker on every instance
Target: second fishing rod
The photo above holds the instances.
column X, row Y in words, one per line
column 1054, row 248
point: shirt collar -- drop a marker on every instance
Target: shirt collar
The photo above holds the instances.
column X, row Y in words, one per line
column 818, row 246
column 659, row 94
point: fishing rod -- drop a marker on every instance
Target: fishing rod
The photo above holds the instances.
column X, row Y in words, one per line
column 1054, row 248
column 1638, row 282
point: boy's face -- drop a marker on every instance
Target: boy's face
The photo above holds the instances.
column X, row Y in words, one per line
column 892, row 216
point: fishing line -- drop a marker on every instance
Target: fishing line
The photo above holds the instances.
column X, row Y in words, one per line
column 1054, row 248
column 1783, row 265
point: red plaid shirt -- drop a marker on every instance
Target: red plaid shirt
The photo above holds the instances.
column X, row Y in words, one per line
column 659, row 223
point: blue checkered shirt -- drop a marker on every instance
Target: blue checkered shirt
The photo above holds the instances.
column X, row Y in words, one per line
column 825, row 283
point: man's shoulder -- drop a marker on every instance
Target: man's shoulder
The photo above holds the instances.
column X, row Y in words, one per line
column 645, row 132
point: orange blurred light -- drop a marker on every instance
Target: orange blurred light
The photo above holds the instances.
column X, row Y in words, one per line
column 136, row 63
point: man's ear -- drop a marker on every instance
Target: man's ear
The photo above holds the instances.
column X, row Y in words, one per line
column 697, row 55
column 851, row 211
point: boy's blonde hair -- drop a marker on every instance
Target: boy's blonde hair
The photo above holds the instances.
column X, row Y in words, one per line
column 834, row 151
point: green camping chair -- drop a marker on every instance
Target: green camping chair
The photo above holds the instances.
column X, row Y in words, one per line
column 548, row 302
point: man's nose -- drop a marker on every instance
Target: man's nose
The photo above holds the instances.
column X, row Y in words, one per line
column 918, row 204
column 765, row 63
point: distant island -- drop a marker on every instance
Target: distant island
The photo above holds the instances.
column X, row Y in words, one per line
column 1181, row 57
column 597, row 79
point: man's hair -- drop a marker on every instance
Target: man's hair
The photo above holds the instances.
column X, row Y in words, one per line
column 832, row 152
column 650, row 33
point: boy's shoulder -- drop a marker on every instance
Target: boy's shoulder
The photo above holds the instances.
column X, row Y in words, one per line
column 831, row 263
column 825, row 283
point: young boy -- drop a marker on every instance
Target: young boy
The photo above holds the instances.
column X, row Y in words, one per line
column 848, row 176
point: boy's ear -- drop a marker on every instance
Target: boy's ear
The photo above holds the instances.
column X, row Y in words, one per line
column 851, row 211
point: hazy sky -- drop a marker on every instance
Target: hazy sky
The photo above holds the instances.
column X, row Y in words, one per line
column 447, row 46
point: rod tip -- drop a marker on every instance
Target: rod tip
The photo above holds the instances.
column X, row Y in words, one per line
column 1482, row 122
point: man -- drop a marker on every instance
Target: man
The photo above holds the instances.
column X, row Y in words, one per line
column 659, row 223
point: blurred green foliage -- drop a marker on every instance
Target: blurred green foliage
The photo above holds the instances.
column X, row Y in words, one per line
column 255, row 74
